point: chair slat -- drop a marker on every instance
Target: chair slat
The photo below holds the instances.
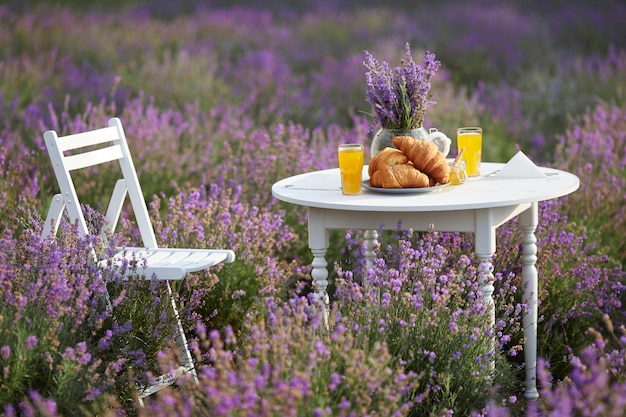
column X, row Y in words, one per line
column 194, row 257
column 210, row 259
column 173, row 258
column 94, row 137
column 95, row 157
column 170, row 264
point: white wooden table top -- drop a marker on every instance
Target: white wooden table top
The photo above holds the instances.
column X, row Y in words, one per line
column 321, row 189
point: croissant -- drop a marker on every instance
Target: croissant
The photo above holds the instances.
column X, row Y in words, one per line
column 399, row 176
column 387, row 156
column 425, row 156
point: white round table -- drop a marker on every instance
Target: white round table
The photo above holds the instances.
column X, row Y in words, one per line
column 480, row 206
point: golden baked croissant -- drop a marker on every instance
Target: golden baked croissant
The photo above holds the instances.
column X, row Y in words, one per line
column 425, row 156
column 399, row 176
column 387, row 156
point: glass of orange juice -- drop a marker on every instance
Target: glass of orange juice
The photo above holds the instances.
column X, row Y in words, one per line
column 351, row 167
column 471, row 138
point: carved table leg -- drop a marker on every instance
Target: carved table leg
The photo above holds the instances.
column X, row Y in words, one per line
column 529, row 220
column 318, row 243
column 485, row 247
column 485, row 280
column 320, row 277
column 371, row 242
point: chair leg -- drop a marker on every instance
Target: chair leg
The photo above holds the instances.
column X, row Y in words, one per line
column 184, row 355
column 181, row 340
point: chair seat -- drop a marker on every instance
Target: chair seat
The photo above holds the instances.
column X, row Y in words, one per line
column 167, row 263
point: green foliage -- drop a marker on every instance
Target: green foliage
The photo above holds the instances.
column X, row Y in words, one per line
column 283, row 364
column 428, row 313
column 594, row 148
column 229, row 300
column 220, row 104
column 578, row 285
column 46, row 333
column 193, row 78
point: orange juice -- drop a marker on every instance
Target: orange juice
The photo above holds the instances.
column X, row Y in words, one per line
column 471, row 138
column 351, row 167
column 457, row 172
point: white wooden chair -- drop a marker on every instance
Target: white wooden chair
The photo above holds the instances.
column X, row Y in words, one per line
column 105, row 145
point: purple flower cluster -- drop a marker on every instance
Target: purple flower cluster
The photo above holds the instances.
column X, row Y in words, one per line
column 51, row 310
column 595, row 150
column 286, row 364
column 221, row 103
column 400, row 96
column 430, row 314
column 595, row 387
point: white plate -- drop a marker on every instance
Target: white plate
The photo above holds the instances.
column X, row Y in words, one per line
column 423, row 190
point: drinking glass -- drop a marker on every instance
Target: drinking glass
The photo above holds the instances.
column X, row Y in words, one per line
column 471, row 138
column 351, row 167
column 457, row 172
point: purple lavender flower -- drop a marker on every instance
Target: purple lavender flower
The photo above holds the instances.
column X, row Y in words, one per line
column 400, row 96
column 5, row 352
column 31, row 342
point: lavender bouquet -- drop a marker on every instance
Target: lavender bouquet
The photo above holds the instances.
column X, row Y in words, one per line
column 400, row 96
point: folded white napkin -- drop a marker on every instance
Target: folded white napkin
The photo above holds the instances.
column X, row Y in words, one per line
column 520, row 166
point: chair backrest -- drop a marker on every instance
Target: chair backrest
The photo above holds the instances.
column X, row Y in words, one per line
column 87, row 149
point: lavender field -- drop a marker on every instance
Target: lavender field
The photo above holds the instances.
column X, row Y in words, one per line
column 221, row 99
